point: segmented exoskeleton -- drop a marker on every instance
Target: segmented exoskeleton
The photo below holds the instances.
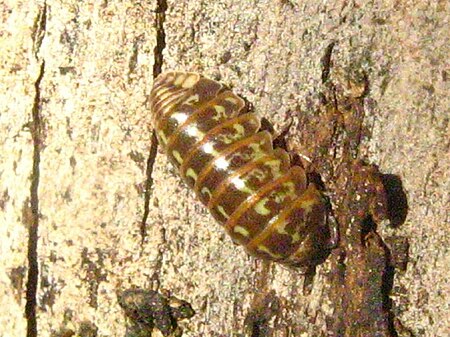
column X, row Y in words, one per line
column 263, row 202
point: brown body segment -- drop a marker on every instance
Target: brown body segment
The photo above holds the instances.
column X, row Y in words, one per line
column 250, row 188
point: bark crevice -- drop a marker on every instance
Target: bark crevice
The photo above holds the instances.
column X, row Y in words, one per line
column 38, row 34
column 160, row 18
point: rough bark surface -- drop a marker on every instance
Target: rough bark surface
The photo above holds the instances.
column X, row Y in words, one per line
column 89, row 208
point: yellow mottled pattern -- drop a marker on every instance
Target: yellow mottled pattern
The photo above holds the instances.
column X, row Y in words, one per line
column 179, row 117
column 242, row 185
column 167, row 105
column 266, row 250
column 241, row 230
column 170, row 77
column 307, row 205
column 260, row 207
column 290, row 191
column 280, row 227
column 275, row 167
column 220, row 112
column 190, row 81
column 192, row 99
column 222, row 211
column 193, row 131
column 278, row 197
column 164, row 94
column 258, row 150
column 162, row 137
column 206, row 191
column 209, row 149
column 233, row 100
column 239, row 128
column 232, row 137
column 180, row 78
column 177, row 156
column 191, row 173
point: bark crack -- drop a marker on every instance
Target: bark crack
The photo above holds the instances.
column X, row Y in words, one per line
column 36, row 135
column 160, row 18
column 161, row 9
column 148, row 187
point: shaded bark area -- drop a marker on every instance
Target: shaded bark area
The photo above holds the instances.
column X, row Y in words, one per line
column 358, row 203
column 360, row 264
column 362, row 199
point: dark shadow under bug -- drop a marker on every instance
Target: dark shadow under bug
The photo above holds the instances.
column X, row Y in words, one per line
column 397, row 201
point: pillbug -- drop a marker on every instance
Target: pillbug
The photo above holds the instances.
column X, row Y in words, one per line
column 262, row 201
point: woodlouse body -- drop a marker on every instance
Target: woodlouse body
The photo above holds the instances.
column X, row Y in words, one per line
column 263, row 202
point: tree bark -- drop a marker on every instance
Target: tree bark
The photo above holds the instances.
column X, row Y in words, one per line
column 89, row 207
